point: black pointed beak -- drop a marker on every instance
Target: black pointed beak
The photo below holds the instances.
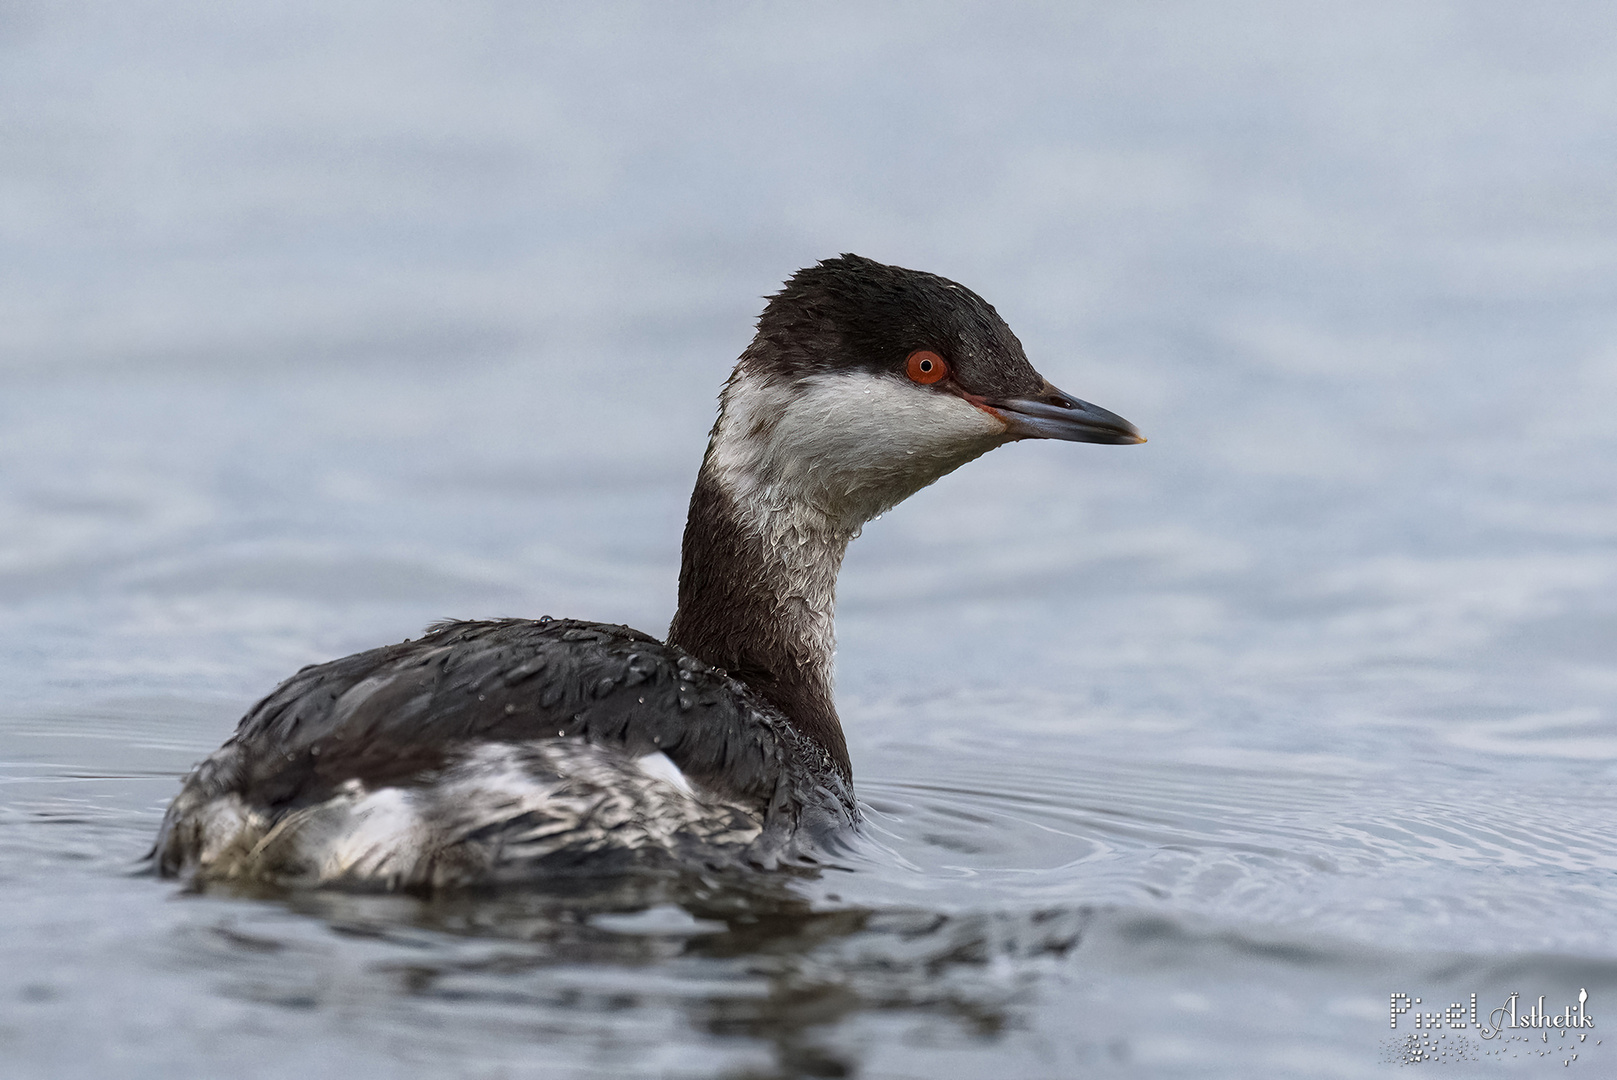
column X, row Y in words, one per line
column 1051, row 414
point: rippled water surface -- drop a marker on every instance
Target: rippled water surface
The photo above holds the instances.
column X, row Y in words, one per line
column 320, row 322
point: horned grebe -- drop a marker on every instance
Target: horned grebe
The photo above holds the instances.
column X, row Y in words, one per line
column 511, row 750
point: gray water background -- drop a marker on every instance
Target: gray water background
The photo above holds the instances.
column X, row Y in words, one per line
column 320, row 321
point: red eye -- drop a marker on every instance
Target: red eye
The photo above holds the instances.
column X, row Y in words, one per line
column 925, row 367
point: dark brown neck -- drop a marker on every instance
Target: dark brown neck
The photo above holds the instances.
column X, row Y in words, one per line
column 757, row 595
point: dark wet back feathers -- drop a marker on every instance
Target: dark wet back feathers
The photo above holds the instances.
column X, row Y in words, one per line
column 392, row 715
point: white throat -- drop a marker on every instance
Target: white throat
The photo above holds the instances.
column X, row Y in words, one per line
column 805, row 464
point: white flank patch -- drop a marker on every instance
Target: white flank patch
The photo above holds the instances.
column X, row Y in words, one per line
column 658, row 766
column 382, row 827
column 497, row 769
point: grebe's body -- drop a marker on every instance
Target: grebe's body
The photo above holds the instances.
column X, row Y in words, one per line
column 488, row 752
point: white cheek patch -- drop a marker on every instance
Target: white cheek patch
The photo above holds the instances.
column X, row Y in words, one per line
column 849, row 444
column 748, row 414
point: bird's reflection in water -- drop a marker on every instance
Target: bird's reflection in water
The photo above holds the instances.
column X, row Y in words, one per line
column 708, row 964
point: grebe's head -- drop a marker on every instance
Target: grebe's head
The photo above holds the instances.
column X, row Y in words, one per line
column 867, row 382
